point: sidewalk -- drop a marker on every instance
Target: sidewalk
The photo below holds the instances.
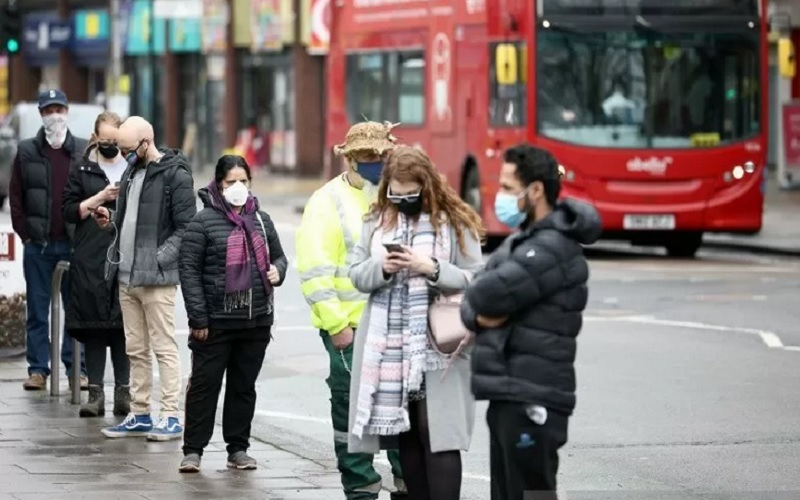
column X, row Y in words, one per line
column 47, row 452
column 780, row 233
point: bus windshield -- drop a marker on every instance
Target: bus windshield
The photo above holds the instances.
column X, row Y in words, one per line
column 629, row 89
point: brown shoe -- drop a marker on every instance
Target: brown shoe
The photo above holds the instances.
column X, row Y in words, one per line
column 84, row 383
column 36, row 382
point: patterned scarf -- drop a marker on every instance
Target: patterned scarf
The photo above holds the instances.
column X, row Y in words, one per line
column 397, row 352
column 238, row 273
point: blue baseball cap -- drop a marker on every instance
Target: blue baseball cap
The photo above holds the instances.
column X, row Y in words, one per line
column 52, row 96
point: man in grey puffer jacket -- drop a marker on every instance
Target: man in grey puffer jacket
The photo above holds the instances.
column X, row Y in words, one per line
column 155, row 205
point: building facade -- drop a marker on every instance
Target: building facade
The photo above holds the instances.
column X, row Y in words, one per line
column 230, row 73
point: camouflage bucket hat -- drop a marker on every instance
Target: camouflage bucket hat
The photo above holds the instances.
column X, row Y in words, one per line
column 368, row 136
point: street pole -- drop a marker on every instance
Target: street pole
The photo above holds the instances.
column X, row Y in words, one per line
column 116, row 48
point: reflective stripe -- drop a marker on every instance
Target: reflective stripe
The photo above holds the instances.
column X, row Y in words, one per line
column 329, row 294
column 373, row 488
column 338, row 201
column 321, row 295
column 352, row 296
column 323, row 271
column 339, row 436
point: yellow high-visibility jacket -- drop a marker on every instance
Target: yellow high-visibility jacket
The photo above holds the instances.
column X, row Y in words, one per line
column 331, row 227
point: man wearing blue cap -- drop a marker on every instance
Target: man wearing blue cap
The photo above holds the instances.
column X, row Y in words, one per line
column 38, row 177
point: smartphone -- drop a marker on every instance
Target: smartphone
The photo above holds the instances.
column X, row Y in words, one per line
column 116, row 184
column 394, row 247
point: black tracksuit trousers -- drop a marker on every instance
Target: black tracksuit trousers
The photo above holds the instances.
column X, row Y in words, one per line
column 524, row 455
column 238, row 357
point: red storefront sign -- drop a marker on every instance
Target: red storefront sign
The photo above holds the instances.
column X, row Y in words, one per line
column 7, row 247
column 320, row 17
column 791, row 134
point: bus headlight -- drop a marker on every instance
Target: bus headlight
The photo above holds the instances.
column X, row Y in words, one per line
column 739, row 172
column 566, row 175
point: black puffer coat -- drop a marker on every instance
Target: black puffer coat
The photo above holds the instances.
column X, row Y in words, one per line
column 94, row 304
column 202, row 270
column 537, row 279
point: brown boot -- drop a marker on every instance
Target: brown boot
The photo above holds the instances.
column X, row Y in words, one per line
column 36, row 382
column 96, row 406
column 122, row 400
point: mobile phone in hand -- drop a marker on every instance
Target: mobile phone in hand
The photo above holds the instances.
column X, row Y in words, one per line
column 116, row 184
column 394, row 248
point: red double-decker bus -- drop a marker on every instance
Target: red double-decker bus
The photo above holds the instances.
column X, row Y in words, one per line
column 655, row 109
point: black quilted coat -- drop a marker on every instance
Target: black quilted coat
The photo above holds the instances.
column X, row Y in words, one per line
column 202, row 272
column 537, row 279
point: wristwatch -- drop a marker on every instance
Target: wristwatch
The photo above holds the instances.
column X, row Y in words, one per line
column 436, row 268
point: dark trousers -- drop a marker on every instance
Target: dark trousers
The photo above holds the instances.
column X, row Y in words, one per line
column 113, row 340
column 360, row 480
column 524, row 455
column 428, row 475
column 39, row 263
column 226, row 353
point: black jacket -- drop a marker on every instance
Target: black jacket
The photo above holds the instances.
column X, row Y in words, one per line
column 34, row 211
column 166, row 206
column 202, row 270
column 94, row 303
column 537, row 279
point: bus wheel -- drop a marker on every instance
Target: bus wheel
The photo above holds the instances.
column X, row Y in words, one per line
column 684, row 245
column 471, row 189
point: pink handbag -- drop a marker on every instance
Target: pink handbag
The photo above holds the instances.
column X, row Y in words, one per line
column 447, row 333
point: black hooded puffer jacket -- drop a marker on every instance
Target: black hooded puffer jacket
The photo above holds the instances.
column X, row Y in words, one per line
column 537, row 279
column 202, row 260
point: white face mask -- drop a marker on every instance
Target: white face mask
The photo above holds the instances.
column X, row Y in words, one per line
column 236, row 194
column 55, row 129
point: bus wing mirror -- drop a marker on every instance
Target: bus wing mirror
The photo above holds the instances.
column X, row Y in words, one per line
column 506, row 58
column 786, row 58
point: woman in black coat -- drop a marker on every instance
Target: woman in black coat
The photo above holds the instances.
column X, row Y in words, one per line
column 93, row 316
column 230, row 260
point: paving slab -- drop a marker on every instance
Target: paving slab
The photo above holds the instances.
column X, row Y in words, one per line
column 47, row 453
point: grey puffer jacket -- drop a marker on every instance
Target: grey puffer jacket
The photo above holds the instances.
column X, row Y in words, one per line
column 166, row 206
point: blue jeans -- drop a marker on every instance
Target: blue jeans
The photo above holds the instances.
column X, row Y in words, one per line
column 39, row 263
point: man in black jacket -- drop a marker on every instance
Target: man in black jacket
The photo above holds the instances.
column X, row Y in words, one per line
column 156, row 202
column 38, row 177
column 526, row 307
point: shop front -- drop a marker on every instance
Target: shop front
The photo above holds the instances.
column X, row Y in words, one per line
column 43, row 34
column 91, row 48
column 263, row 35
column 145, row 44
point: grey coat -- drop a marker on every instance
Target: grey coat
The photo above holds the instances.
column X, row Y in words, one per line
column 451, row 406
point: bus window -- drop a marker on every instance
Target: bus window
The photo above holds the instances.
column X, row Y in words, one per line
column 508, row 94
column 386, row 86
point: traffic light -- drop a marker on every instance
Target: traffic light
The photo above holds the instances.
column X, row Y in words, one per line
column 10, row 29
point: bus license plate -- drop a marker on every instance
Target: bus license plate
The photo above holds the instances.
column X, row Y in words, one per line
column 663, row 222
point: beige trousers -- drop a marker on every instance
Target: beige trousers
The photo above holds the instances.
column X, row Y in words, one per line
column 148, row 314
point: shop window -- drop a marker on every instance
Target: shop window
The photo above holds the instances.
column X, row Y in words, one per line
column 508, row 79
column 386, row 86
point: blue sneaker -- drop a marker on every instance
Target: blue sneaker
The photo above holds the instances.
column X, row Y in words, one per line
column 167, row 429
column 132, row 426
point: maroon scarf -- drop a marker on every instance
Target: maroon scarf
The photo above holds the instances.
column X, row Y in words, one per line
column 245, row 235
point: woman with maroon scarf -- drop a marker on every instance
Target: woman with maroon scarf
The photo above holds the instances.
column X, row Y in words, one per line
column 230, row 260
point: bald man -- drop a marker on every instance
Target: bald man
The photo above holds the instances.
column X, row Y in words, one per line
column 156, row 202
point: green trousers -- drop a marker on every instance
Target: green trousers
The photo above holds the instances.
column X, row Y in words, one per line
column 359, row 478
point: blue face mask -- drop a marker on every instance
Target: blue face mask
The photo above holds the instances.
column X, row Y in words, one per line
column 507, row 210
column 371, row 171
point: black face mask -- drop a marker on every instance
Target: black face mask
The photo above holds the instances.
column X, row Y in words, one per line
column 108, row 151
column 410, row 208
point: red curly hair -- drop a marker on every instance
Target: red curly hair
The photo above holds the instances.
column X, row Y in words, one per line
column 410, row 164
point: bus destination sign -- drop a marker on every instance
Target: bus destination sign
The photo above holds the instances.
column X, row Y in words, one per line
column 649, row 7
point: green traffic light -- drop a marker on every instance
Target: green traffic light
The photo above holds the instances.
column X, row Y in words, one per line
column 12, row 45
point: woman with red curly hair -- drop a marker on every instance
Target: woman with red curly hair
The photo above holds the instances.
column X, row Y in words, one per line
column 419, row 240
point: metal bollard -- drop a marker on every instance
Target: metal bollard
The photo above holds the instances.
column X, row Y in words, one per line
column 55, row 339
